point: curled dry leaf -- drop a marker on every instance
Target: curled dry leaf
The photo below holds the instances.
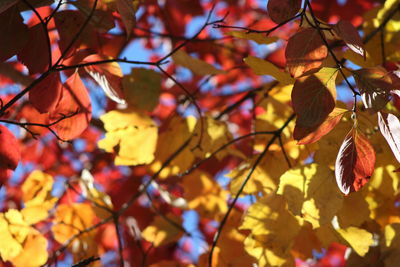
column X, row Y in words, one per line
column 389, row 125
column 314, row 96
column 354, row 163
column 350, row 36
column 305, row 51
column 282, row 10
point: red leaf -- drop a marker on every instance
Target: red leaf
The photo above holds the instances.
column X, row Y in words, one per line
column 74, row 99
column 350, row 36
column 10, row 152
column 354, row 163
column 313, row 97
column 13, row 32
column 305, row 51
column 306, row 135
column 389, row 125
column 282, row 10
column 37, row 45
column 108, row 76
column 46, row 94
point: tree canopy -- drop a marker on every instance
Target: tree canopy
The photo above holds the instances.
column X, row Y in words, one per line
column 199, row 133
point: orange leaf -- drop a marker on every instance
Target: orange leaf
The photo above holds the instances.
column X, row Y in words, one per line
column 13, row 31
column 108, row 76
column 74, row 100
column 282, row 10
column 389, row 125
column 309, row 135
column 350, row 36
column 46, row 94
column 10, row 153
column 354, row 163
column 305, row 51
column 313, row 97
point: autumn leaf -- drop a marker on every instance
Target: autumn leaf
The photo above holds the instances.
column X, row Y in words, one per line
column 196, row 65
column 350, row 36
column 354, row 163
column 163, row 231
column 280, row 11
column 108, row 76
column 389, row 125
column 47, row 93
column 305, row 51
column 311, row 193
column 142, row 88
column 12, row 25
column 314, row 96
column 259, row 38
column 75, row 103
column 359, row 239
column 10, row 152
column 127, row 9
column 375, row 85
column 263, row 67
column 309, row 135
column 126, row 131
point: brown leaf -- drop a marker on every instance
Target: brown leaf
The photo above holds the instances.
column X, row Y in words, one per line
column 282, row 10
column 314, row 96
column 375, row 85
column 309, row 135
column 350, row 36
column 354, row 163
column 305, row 51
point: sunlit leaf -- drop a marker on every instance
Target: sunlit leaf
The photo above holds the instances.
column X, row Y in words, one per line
column 314, row 96
column 10, row 152
column 263, row 67
column 350, row 36
column 389, row 125
column 354, row 163
column 259, row 38
column 163, row 231
column 46, row 94
column 359, row 239
column 305, row 51
column 132, row 135
column 311, row 193
column 108, row 76
column 196, row 65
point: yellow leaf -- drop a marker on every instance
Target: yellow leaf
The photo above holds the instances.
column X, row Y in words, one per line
column 212, row 134
column 196, row 65
column 142, row 88
column 176, row 133
column 259, row 38
column 346, row 215
column 265, row 176
column 391, row 244
column 204, row 195
column 359, row 239
column 327, row 235
column 162, row 232
column 34, row 252
column 263, row 67
column 170, row 263
column 269, row 242
column 20, row 243
column 37, row 196
column 311, row 192
column 69, row 220
column 132, row 135
column 306, row 243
